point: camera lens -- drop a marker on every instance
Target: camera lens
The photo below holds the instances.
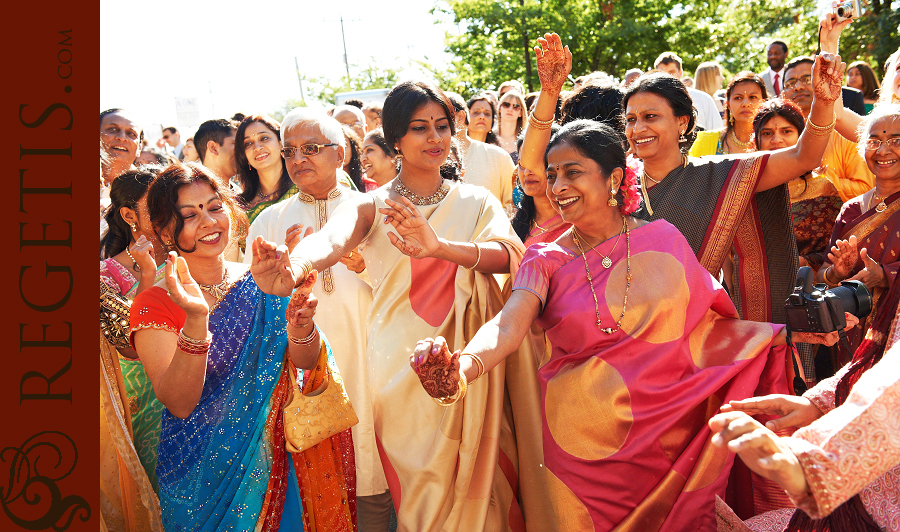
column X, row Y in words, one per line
column 855, row 298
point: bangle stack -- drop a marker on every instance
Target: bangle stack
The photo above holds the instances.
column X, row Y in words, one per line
column 477, row 257
column 828, row 283
column 192, row 346
column 479, row 363
column 460, row 393
column 303, row 341
column 821, row 131
column 307, row 267
column 539, row 124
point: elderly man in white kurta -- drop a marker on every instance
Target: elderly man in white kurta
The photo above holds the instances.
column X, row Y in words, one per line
column 317, row 143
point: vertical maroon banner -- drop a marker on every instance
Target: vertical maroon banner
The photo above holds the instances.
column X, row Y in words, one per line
column 49, row 452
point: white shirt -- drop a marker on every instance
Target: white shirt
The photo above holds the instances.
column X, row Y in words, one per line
column 491, row 167
column 342, row 314
column 707, row 112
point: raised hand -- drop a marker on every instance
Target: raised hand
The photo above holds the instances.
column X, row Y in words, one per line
column 793, row 411
column 183, row 289
column 271, row 268
column 761, row 449
column 843, row 257
column 417, row 239
column 830, row 30
column 353, row 261
column 827, row 77
column 302, row 306
column 873, row 274
column 436, row 367
column 295, row 234
column 554, row 62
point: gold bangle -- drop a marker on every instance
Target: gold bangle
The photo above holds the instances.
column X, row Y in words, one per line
column 821, row 131
column 460, row 393
column 302, row 341
column 477, row 257
column 307, row 267
column 539, row 124
column 479, row 363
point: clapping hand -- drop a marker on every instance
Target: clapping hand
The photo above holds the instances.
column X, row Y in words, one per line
column 761, row 449
column 417, row 239
column 183, row 289
column 554, row 62
column 873, row 274
column 437, row 368
column 271, row 268
column 843, row 257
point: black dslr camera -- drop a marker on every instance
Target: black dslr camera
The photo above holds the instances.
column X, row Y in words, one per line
column 812, row 308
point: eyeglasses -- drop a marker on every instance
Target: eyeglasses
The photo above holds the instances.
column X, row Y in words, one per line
column 288, row 152
column 789, row 84
column 875, row 144
column 515, row 106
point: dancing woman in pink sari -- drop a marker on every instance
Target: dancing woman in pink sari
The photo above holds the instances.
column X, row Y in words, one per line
column 646, row 347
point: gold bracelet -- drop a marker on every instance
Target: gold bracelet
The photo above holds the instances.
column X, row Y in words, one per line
column 479, row 363
column 825, row 278
column 460, row 393
column 305, row 271
column 821, row 131
column 477, row 257
column 302, row 341
column 539, row 124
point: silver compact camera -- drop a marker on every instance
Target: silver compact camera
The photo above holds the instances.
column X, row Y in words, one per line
column 847, row 9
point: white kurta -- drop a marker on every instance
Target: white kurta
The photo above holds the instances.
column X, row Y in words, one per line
column 492, row 168
column 344, row 304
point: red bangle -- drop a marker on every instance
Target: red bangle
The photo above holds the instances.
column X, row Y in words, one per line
column 192, row 346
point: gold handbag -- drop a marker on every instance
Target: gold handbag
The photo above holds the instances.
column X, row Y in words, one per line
column 310, row 419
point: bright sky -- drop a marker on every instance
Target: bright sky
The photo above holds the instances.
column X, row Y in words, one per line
column 239, row 56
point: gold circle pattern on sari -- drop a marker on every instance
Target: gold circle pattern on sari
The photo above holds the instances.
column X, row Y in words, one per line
column 571, row 513
column 588, row 409
column 713, row 343
column 659, row 289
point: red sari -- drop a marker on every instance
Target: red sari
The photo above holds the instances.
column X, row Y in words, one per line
column 626, row 441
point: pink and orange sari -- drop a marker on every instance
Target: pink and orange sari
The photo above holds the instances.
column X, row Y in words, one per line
column 625, row 434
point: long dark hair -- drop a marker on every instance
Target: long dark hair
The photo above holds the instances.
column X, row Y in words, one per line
column 670, row 89
column 354, row 167
column 869, row 78
column 491, row 137
column 526, row 211
column 125, row 191
column 405, row 99
column 162, row 201
column 249, row 176
column 598, row 101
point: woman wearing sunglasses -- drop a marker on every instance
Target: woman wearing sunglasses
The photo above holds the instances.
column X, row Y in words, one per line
column 512, row 113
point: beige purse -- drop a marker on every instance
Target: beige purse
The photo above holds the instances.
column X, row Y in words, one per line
column 310, row 419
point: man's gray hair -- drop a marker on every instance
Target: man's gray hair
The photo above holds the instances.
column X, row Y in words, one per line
column 305, row 117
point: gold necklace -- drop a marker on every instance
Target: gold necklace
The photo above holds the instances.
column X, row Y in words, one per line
column 607, row 261
column 644, row 177
column 218, row 290
column 881, row 207
column 609, row 330
column 737, row 142
column 418, row 200
column 541, row 228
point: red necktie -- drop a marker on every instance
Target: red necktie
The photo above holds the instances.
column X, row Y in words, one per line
column 775, row 85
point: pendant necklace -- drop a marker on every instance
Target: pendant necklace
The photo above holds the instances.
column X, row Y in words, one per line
column 587, row 269
column 881, row 207
column 607, row 261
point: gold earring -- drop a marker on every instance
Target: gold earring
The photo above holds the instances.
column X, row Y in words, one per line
column 612, row 201
column 133, row 227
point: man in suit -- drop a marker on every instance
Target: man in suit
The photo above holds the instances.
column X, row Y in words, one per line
column 173, row 139
column 776, row 55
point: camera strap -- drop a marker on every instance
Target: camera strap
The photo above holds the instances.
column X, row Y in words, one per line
column 799, row 382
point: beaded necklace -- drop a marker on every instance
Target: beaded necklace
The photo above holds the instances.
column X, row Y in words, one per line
column 587, row 269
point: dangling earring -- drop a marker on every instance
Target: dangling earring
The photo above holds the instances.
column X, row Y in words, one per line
column 682, row 138
column 731, row 119
column 133, row 227
column 612, row 201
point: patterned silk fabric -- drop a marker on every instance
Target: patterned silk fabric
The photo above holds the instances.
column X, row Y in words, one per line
column 626, row 441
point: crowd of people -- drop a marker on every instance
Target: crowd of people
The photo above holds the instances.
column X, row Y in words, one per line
column 561, row 310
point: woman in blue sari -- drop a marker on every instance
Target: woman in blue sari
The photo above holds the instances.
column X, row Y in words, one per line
column 221, row 355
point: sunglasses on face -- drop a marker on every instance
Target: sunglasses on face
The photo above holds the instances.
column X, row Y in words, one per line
column 288, row 152
column 875, row 144
column 789, row 84
column 506, row 105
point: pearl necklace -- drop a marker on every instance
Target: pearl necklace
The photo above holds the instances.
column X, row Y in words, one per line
column 608, row 330
column 418, row 200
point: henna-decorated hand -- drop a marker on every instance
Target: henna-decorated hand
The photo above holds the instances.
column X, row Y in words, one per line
column 843, row 257
column 302, row 307
column 827, row 77
column 828, row 339
column 554, row 62
column 417, row 239
column 437, row 368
